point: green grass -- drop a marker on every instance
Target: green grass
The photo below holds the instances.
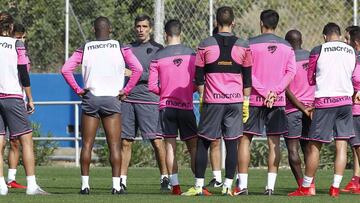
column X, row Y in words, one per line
column 143, row 186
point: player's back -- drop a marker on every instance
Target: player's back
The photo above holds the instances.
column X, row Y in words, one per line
column 335, row 63
column 272, row 57
column 299, row 86
column 103, row 67
column 176, row 69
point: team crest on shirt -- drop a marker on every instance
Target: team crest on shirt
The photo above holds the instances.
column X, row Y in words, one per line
column 177, row 62
column 305, row 66
column 272, row 48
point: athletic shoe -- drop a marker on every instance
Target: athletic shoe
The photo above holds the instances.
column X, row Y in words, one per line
column 165, row 184
column 14, row 184
column 226, row 191
column 312, row 189
column 85, row 191
column 237, row 191
column 301, row 191
column 352, row 185
column 116, row 192
column 4, row 190
column 214, row 183
column 37, row 191
column 176, row 190
column 334, row 192
column 269, row 192
column 357, row 191
column 196, row 191
column 122, row 189
column 122, row 185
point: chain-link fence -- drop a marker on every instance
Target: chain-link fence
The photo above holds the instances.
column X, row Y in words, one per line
column 45, row 21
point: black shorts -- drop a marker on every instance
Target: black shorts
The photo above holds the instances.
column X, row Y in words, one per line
column 14, row 117
column 355, row 141
column 273, row 119
column 144, row 117
column 174, row 121
column 298, row 125
column 218, row 120
column 332, row 123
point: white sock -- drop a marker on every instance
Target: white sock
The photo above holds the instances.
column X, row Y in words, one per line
column 307, row 181
column 31, row 183
column 228, row 183
column 337, row 180
column 174, row 179
column 116, row 183
column 123, row 179
column 11, row 174
column 85, row 182
column 271, row 179
column 2, row 182
column 243, row 180
column 199, row 182
column 217, row 176
column 164, row 176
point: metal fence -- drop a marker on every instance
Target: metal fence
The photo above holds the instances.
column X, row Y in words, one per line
column 57, row 28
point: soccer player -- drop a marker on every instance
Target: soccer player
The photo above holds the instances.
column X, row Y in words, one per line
column 354, row 182
column 14, row 78
column 141, row 108
column 299, row 106
column 274, row 67
column 223, row 76
column 13, row 156
column 353, row 185
column 172, row 74
column 331, row 66
column 103, row 67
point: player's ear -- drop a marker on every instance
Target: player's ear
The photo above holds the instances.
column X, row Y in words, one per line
column 233, row 23
column 324, row 36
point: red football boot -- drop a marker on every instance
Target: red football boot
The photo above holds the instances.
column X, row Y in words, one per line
column 334, row 192
column 14, row 184
column 352, row 185
column 301, row 191
column 176, row 190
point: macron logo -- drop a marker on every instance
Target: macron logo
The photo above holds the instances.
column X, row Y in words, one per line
column 338, row 48
column 177, row 62
column 272, row 48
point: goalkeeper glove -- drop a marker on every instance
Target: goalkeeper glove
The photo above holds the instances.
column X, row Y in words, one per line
column 246, row 113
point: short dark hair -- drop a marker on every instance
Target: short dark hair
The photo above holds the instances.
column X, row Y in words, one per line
column 173, row 28
column 351, row 27
column 269, row 18
column 142, row 18
column 225, row 16
column 6, row 21
column 331, row 28
column 294, row 37
column 101, row 23
column 19, row 28
column 355, row 34
column 215, row 30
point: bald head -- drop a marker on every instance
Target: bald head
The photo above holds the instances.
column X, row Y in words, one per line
column 102, row 27
column 294, row 37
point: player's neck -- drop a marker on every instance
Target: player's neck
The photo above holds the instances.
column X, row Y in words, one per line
column 267, row 31
column 225, row 29
column 144, row 41
column 173, row 40
column 331, row 38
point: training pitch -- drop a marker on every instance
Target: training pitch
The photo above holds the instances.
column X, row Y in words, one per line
column 143, row 186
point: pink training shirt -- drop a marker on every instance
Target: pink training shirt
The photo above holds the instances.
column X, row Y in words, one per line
column 274, row 67
column 220, row 60
column 172, row 73
column 356, row 84
column 103, row 68
column 299, row 86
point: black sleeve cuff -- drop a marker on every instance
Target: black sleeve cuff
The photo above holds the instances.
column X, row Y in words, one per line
column 199, row 76
column 246, row 73
column 23, row 75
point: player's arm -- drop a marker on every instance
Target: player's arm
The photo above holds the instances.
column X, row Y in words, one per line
column 68, row 69
column 247, row 82
column 313, row 58
column 292, row 98
column 290, row 72
column 23, row 72
column 135, row 67
column 356, row 82
column 153, row 82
